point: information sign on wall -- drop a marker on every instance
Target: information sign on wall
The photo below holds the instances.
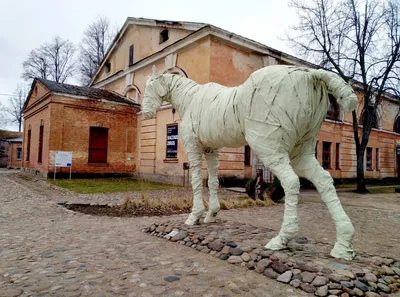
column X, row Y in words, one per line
column 172, row 142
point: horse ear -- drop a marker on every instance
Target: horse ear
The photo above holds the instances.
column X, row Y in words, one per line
column 160, row 88
column 154, row 70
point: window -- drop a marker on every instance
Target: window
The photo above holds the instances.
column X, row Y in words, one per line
column 337, row 157
column 98, row 144
column 396, row 127
column 369, row 158
column 40, row 151
column 28, row 146
column 108, row 67
column 164, row 36
column 172, row 141
column 131, row 49
column 377, row 159
column 18, row 154
column 247, row 155
column 326, row 155
column 333, row 109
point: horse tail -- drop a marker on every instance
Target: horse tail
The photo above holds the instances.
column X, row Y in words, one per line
column 339, row 88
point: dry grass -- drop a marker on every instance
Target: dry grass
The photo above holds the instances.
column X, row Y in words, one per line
column 185, row 203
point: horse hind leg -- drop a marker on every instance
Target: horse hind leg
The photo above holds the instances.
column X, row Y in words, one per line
column 279, row 164
column 213, row 184
column 310, row 168
column 195, row 160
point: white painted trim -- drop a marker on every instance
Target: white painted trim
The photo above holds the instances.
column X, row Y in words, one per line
column 130, row 88
column 86, row 98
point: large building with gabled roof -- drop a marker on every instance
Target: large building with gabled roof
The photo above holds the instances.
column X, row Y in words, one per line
column 206, row 53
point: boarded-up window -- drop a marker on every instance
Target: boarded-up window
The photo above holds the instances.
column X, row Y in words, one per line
column 377, row 159
column 326, row 155
column 247, row 155
column 131, row 49
column 98, row 144
column 28, row 146
column 40, row 150
column 369, row 158
column 337, row 159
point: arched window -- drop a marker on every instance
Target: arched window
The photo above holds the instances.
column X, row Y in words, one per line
column 372, row 116
column 396, row 127
column 333, row 112
column 132, row 92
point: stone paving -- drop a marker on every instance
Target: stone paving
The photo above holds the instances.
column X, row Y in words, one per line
column 46, row 250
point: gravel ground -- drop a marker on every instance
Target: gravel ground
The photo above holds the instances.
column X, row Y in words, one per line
column 46, row 250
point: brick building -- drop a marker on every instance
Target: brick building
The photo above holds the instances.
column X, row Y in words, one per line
column 97, row 126
column 206, row 53
column 14, row 158
column 10, row 145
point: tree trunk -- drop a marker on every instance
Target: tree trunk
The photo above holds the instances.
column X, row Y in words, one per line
column 361, row 188
column 19, row 126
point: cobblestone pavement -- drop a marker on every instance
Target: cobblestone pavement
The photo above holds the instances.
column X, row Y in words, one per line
column 46, row 250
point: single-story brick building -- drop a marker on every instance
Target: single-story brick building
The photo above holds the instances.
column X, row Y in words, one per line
column 97, row 126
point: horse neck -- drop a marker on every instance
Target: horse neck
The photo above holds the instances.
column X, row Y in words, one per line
column 181, row 92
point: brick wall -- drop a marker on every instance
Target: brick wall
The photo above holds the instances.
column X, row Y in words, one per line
column 13, row 161
column 67, row 123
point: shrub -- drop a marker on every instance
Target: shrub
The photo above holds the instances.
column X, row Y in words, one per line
column 274, row 190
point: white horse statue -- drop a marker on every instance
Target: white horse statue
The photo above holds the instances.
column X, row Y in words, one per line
column 278, row 111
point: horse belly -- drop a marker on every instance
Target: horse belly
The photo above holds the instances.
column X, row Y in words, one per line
column 217, row 136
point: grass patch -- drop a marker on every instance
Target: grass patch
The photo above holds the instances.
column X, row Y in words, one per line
column 185, row 203
column 108, row 185
column 146, row 206
column 382, row 190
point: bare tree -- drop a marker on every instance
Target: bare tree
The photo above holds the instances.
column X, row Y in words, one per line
column 14, row 108
column 94, row 45
column 36, row 65
column 358, row 40
column 54, row 61
column 2, row 116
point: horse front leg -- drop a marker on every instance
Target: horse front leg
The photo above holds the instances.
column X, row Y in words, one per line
column 213, row 184
column 194, row 157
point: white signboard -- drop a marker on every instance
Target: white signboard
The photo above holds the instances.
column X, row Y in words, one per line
column 63, row 159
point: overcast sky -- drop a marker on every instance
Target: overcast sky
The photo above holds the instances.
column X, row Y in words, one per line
column 26, row 24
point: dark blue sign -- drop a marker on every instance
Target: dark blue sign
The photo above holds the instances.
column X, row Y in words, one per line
column 172, row 142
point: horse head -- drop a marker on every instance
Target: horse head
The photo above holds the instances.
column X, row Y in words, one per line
column 156, row 91
column 348, row 99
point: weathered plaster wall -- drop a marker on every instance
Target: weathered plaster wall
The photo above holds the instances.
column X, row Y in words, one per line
column 146, row 42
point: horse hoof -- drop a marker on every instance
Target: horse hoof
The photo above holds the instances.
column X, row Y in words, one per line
column 341, row 252
column 210, row 219
column 275, row 244
column 192, row 220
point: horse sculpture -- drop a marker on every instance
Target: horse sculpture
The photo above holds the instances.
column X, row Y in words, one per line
column 278, row 111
